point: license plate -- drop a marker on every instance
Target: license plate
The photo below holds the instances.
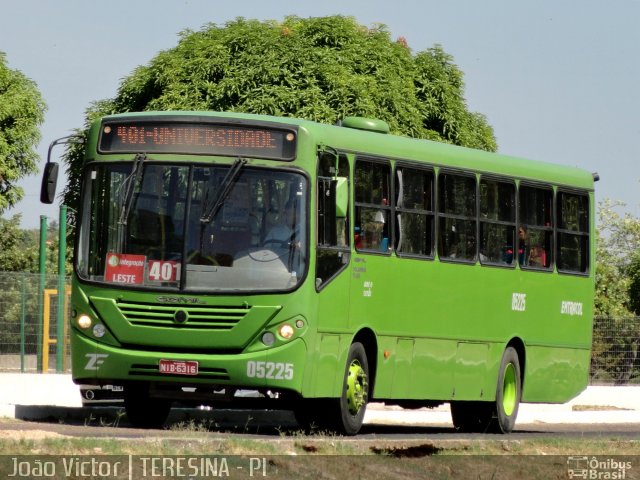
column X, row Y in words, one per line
column 178, row 367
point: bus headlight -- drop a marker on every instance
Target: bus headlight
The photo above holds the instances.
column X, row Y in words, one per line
column 84, row 321
column 286, row 331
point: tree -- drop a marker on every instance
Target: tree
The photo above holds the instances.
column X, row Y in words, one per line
column 634, row 283
column 21, row 112
column 320, row 69
column 618, row 254
column 19, row 252
column 616, row 334
column 21, row 248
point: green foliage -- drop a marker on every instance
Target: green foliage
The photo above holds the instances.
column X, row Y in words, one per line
column 633, row 271
column 617, row 274
column 20, row 250
column 612, row 288
column 21, row 111
column 19, row 280
column 616, row 332
column 320, row 69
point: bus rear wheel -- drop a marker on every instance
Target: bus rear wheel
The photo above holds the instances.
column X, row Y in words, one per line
column 472, row 417
column 144, row 411
column 495, row 417
column 508, row 392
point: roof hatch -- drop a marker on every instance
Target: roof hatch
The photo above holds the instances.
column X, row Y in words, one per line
column 369, row 124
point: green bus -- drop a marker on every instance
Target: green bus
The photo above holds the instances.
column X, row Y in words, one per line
column 223, row 259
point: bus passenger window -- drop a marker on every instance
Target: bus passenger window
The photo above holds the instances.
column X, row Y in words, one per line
column 573, row 233
column 373, row 210
column 457, row 217
column 536, row 227
column 497, row 222
column 414, row 211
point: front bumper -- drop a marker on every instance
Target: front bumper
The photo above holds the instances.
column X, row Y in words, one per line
column 280, row 367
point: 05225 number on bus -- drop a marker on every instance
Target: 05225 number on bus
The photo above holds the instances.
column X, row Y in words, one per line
column 270, row 370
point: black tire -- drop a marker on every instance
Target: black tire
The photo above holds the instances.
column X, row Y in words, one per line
column 508, row 392
column 308, row 413
column 144, row 411
column 341, row 415
column 472, row 417
column 498, row 416
column 352, row 404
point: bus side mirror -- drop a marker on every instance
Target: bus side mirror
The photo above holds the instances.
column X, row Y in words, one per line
column 50, row 175
column 342, row 197
column 49, row 183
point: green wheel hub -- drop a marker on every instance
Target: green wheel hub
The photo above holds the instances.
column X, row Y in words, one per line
column 509, row 390
column 356, row 387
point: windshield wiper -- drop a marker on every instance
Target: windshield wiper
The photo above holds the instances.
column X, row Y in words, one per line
column 227, row 183
column 133, row 179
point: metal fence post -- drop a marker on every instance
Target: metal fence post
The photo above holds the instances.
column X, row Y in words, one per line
column 42, row 270
column 23, row 312
column 62, row 248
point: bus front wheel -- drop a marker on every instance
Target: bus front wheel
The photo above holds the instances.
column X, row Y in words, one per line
column 346, row 413
column 355, row 391
column 144, row 411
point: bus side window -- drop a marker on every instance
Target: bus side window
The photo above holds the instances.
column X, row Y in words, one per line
column 573, row 232
column 536, row 220
column 333, row 224
column 372, row 206
column 497, row 222
column 414, row 211
column 457, row 217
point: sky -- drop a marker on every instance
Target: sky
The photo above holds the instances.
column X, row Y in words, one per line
column 558, row 80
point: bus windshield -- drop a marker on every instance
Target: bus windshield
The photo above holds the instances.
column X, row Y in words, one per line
column 193, row 227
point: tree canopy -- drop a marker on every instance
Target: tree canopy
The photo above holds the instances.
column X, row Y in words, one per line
column 320, row 69
column 21, row 112
column 618, row 270
column 20, row 250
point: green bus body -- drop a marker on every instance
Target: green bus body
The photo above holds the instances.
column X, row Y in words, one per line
column 433, row 329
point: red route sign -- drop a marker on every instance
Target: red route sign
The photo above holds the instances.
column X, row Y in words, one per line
column 125, row 268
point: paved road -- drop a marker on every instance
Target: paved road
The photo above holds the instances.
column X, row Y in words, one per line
column 260, row 424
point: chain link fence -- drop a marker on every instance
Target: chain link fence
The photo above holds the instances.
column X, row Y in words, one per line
column 29, row 336
column 615, row 355
column 29, row 333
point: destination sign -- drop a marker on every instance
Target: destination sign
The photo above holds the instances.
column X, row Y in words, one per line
column 196, row 138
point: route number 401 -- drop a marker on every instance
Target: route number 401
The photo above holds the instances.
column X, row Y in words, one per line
column 163, row 271
column 270, row 370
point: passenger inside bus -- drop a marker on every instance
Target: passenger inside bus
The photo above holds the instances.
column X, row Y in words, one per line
column 522, row 245
column 537, row 257
column 531, row 256
column 374, row 234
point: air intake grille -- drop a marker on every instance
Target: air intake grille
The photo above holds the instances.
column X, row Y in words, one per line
column 198, row 317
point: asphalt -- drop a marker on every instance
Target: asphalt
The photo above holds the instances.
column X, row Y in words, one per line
column 35, row 396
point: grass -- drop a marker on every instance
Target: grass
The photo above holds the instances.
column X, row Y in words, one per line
column 293, row 454
column 326, row 456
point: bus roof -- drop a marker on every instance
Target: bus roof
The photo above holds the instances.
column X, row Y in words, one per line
column 396, row 147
